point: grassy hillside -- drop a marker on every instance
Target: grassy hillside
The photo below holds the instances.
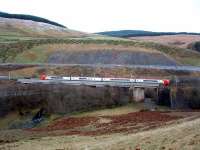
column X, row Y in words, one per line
column 19, row 29
column 20, row 51
column 182, row 40
column 26, row 41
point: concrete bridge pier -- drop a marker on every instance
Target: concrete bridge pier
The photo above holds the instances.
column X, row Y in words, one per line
column 137, row 94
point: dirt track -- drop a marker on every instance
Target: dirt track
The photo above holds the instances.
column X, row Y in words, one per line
column 104, row 125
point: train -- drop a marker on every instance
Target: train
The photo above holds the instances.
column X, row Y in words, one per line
column 99, row 79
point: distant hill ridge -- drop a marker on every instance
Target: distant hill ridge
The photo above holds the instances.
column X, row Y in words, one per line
column 136, row 33
column 29, row 17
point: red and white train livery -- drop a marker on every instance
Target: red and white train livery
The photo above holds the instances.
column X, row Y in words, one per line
column 99, row 79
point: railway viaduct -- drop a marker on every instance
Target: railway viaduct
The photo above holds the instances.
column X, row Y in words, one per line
column 62, row 96
column 137, row 90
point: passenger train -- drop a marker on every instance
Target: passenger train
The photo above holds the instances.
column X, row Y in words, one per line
column 99, row 79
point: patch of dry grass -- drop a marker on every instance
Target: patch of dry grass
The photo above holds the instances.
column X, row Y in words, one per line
column 114, row 111
column 132, row 107
column 91, row 47
column 4, row 122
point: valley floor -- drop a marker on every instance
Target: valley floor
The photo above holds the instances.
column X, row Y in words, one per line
column 129, row 127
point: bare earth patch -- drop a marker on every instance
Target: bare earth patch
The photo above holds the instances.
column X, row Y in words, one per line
column 127, row 123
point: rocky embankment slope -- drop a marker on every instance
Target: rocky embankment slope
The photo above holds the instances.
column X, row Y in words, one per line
column 111, row 57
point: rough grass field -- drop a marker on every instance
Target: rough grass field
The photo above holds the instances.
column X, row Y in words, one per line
column 181, row 41
column 119, row 128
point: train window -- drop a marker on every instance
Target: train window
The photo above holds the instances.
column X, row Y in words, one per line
column 83, row 78
column 55, row 77
column 155, row 81
column 121, row 79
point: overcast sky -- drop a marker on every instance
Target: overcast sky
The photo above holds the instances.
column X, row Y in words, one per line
column 105, row 15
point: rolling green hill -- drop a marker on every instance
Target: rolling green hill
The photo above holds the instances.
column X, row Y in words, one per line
column 22, row 27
